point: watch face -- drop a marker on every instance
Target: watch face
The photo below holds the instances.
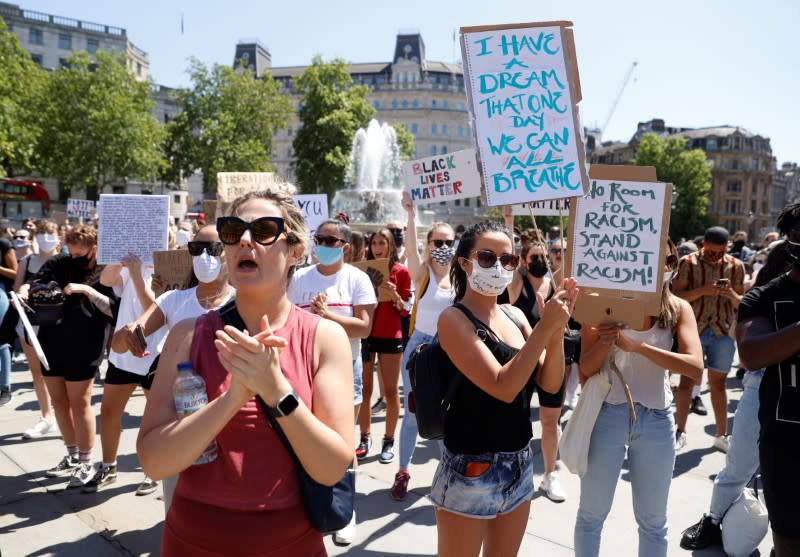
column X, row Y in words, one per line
column 288, row 404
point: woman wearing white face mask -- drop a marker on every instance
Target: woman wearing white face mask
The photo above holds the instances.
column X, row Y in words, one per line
column 47, row 238
column 484, row 483
column 173, row 306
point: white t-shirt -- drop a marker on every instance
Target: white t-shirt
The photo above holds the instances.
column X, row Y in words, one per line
column 130, row 309
column 346, row 289
column 177, row 305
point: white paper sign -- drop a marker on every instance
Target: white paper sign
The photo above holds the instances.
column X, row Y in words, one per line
column 549, row 208
column 131, row 224
column 618, row 236
column 526, row 121
column 442, row 177
column 78, row 208
column 315, row 209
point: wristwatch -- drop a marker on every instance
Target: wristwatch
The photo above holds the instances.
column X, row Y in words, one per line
column 286, row 405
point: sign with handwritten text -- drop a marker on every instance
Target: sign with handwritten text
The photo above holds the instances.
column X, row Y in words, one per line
column 618, row 236
column 78, row 208
column 523, row 89
column 231, row 185
column 548, row 208
column 131, row 224
column 174, row 270
column 315, row 209
column 442, row 177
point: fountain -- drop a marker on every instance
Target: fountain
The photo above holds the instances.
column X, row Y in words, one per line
column 374, row 180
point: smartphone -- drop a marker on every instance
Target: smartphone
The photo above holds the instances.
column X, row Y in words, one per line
column 139, row 330
column 476, row 468
column 723, row 282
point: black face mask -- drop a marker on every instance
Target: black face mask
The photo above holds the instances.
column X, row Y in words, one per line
column 738, row 245
column 81, row 262
column 398, row 239
column 537, row 268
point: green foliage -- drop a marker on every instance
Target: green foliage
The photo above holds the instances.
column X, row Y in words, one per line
column 689, row 172
column 405, row 141
column 21, row 81
column 332, row 109
column 97, row 125
column 226, row 125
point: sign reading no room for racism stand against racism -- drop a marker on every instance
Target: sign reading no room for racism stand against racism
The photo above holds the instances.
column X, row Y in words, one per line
column 442, row 177
column 131, row 224
column 315, row 209
column 523, row 90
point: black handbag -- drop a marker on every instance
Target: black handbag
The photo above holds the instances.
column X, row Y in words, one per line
column 46, row 302
column 329, row 508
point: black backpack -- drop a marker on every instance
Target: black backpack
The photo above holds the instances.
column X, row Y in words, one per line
column 435, row 380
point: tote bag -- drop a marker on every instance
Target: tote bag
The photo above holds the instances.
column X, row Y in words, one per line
column 574, row 445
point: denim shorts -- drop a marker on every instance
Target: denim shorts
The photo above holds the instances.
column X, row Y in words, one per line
column 718, row 351
column 506, row 485
column 358, row 387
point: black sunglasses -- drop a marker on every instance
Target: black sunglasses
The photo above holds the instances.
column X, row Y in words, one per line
column 440, row 243
column 395, row 230
column 536, row 257
column 487, row 259
column 327, row 241
column 21, row 237
column 556, row 251
column 213, row 248
column 264, row 230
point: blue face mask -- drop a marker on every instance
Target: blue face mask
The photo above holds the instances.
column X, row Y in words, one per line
column 328, row 256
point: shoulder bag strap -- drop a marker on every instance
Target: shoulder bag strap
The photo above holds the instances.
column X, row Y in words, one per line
column 625, row 388
column 510, row 314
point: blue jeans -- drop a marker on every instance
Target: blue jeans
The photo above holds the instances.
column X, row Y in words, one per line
column 409, row 429
column 651, row 458
column 718, row 351
column 741, row 461
column 5, row 350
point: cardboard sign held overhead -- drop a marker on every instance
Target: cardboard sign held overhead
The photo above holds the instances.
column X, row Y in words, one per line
column 60, row 217
column 174, row 268
column 523, row 89
column 617, row 245
column 131, row 224
column 77, row 208
column 549, row 208
column 231, row 185
column 315, row 209
column 442, row 177
column 378, row 272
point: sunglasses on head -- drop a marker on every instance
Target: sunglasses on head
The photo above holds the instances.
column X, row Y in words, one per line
column 213, row 248
column 327, row 241
column 263, row 230
column 487, row 258
column 440, row 243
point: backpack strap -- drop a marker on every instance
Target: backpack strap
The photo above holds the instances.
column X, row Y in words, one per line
column 417, row 297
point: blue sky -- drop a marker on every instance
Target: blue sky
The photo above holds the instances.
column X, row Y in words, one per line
column 700, row 62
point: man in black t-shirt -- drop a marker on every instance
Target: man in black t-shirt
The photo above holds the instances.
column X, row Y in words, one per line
column 768, row 335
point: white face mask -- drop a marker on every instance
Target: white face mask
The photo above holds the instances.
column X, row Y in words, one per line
column 757, row 266
column 668, row 275
column 20, row 243
column 206, row 267
column 47, row 242
column 182, row 237
column 491, row 281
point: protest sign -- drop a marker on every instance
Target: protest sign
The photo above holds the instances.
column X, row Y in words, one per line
column 60, row 217
column 80, row 208
column 617, row 244
column 548, row 208
column 442, row 177
column 210, row 211
column 174, row 270
column 523, row 89
column 378, row 272
column 131, row 224
column 315, row 209
column 26, row 324
column 231, row 185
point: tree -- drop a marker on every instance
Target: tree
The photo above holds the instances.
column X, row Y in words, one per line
column 332, row 110
column 689, row 172
column 227, row 122
column 97, row 125
column 405, row 140
column 20, row 85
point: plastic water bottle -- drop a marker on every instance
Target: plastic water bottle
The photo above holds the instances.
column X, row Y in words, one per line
column 190, row 396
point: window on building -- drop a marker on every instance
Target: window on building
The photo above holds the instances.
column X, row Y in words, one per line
column 118, row 189
column 415, row 103
column 405, row 103
column 64, row 41
column 433, row 103
column 445, row 105
column 35, row 36
column 434, row 130
column 433, row 149
column 734, row 186
column 457, row 203
column 139, row 69
column 735, row 165
column 443, row 149
column 764, row 207
column 459, row 106
column 176, row 198
column 62, row 62
column 405, row 77
column 736, row 143
column 376, row 104
column 754, row 165
column 394, row 104
column 37, row 59
column 92, row 45
column 754, row 187
column 466, row 202
column 414, row 128
column 444, row 129
column 753, row 205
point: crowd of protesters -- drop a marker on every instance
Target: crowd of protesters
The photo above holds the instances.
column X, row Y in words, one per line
column 324, row 329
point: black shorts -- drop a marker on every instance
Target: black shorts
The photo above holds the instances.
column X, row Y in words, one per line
column 779, row 468
column 117, row 376
column 372, row 345
column 70, row 371
column 553, row 400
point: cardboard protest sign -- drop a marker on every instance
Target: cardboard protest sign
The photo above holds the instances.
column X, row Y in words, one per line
column 442, row 177
column 174, row 269
column 549, row 208
column 315, row 209
column 617, row 244
column 80, row 208
column 231, row 185
column 131, row 224
column 523, row 89
column 210, row 210
column 378, row 272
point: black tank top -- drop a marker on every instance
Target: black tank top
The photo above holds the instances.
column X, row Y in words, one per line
column 479, row 423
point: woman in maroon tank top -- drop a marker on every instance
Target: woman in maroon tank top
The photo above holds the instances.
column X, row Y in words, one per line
column 246, row 501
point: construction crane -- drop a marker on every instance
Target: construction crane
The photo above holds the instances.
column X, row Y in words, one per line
column 619, row 96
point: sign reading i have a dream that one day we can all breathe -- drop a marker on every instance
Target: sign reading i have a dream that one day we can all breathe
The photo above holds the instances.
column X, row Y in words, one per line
column 619, row 234
column 523, row 88
column 442, row 177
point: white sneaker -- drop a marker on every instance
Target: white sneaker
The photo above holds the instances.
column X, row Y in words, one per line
column 551, row 487
column 81, row 476
column 19, row 359
column 722, row 443
column 346, row 535
column 680, row 440
column 40, row 428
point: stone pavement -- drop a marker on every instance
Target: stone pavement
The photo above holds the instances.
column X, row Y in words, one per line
column 39, row 518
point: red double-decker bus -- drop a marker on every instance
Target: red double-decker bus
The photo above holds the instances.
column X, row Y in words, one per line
column 21, row 199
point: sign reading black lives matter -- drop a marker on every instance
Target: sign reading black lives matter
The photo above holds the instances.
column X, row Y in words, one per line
column 523, row 89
